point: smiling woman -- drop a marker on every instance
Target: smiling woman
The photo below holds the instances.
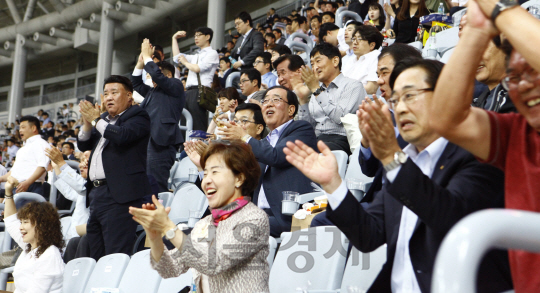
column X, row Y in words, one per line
column 228, row 249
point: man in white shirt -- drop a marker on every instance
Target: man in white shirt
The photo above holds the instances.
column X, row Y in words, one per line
column 430, row 185
column 31, row 164
column 263, row 64
column 204, row 64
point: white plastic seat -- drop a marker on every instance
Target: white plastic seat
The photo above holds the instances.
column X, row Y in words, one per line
column 272, row 246
column 173, row 285
column 187, row 197
column 76, row 274
column 310, row 259
column 139, row 277
column 166, row 197
column 65, row 222
column 182, row 173
column 362, row 269
column 341, row 158
column 108, row 271
column 355, row 172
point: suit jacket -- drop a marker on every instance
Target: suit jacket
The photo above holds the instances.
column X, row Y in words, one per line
column 164, row 105
column 258, row 96
column 252, row 47
column 281, row 175
column 124, row 155
column 459, row 186
column 281, row 41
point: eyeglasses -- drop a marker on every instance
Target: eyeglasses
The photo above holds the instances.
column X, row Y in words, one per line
column 408, row 97
column 242, row 122
column 237, row 24
column 273, row 101
column 198, row 35
column 257, row 62
column 355, row 39
column 243, row 80
column 512, row 80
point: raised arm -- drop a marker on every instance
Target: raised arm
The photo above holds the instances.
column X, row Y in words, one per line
column 451, row 113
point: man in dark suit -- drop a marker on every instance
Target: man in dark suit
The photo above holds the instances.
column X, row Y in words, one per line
column 249, row 45
column 430, row 185
column 164, row 103
column 279, row 107
column 117, row 176
column 67, row 150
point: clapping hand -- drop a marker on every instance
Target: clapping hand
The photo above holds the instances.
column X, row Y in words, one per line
column 153, row 217
column 57, row 160
column 231, row 131
column 88, row 111
column 322, row 169
column 147, row 50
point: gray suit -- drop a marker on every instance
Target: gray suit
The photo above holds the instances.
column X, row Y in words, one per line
column 250, row 49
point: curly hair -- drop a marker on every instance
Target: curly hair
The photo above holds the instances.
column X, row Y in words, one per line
column 47, row 225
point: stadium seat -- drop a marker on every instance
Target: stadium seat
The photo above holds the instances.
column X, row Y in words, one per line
column 166, row 197
column 355, row 172
column 65, row 222
column 108, row 271
column 173, row 285
column 76, row 274
column 342, row 159
column 187, row 197
column 189, row 121
column 272, row 246
column 182, row 173
column 319, row 266
column 362, row 269
column 139, row 277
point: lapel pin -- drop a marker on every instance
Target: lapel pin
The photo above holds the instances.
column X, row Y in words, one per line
column 442, row 167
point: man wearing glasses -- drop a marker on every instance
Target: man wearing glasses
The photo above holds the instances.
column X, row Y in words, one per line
column 249, row 45
column 204, row 63
column 250, row 85
column 278, row 108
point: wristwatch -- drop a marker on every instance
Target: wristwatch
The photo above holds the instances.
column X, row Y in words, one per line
column 172, row 232
column 501, row 6
column 95, row 121
column 399, row 159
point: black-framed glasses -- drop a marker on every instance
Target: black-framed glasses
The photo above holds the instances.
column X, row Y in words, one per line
column 355, row 39
column 243, row 80
column 408, row 97
column 243, row 121
column 273, row 101
column 257, row 62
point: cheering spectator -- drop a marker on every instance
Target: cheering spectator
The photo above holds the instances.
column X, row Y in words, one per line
column 328, row 17
column 230, row 175
column 251, row 43
column 36, row 229
column 288, row 68
column 362, row 65
column 508, row 141
column 229, row 99
column 164, row 104
column 333, row 96
column 203, row 64
column 315, row 26
column 407, row 20
column 249, row 117
column 263, row 64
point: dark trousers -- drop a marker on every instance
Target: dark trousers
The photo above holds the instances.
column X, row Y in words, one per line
column 199, row 114
column 160, row 160
column 110, row 228
column 336, row 142
column 77, row 247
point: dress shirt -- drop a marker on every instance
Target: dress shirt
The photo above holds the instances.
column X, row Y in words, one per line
column 3, row 171
column 403, row 279
column 342, row 45
column 269, row 79
column 29, row 158
column 363, row 69
column 96, row 171
column 208, row 61
column 12, row 151
column 72, row 186
column 324, row 112
column 272, row 138
column 36, row 275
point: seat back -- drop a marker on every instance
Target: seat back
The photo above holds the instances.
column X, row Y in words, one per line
column 76, row 274
column 139, row 276
column 108, row 271
column 65, row 222
column 173, row 285
column 362, row 269
column 187, row 197
column 189, row 121
column 341, row 158
column 182, row 173
column 354, row 171
column 166, row 197
column 272, row 246
column 309, row 259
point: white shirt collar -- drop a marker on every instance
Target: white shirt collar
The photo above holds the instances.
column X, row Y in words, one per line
column 32, row 139
column 434, row 150
column 247, row 34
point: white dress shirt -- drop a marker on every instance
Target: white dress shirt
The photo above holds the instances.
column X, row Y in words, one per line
column 208, row 61
column 12, row 151
column 44, row 274
column 72, row 186
column 342, row 45
column 363, row 69
column 272, row 138
column 29, row 158
column 403, row 278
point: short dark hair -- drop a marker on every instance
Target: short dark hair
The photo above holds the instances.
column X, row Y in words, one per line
column 226, row 59
column 257, row 112
column 245, row 17
column 252, row 74
column 230, row 93
column 238, row 157
column 399, row 52
column 166, row 66
column 71, row 145
column 325, row 28
column 327, row 50
column 317, row 17
column 287, row 20
column 205, row 31
column 281, row 49
column 295, row 61
column 331, row 14
column 507, row 48
column 278, row 31
column 45, row 113
column 158, row 48
column 52, row 123
column 270, row 35
column 432, row 68
column 300, row 20
column 267, row 58
column 370, row 34
column 292, row 99
column 128, row 86
column 32, row 120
